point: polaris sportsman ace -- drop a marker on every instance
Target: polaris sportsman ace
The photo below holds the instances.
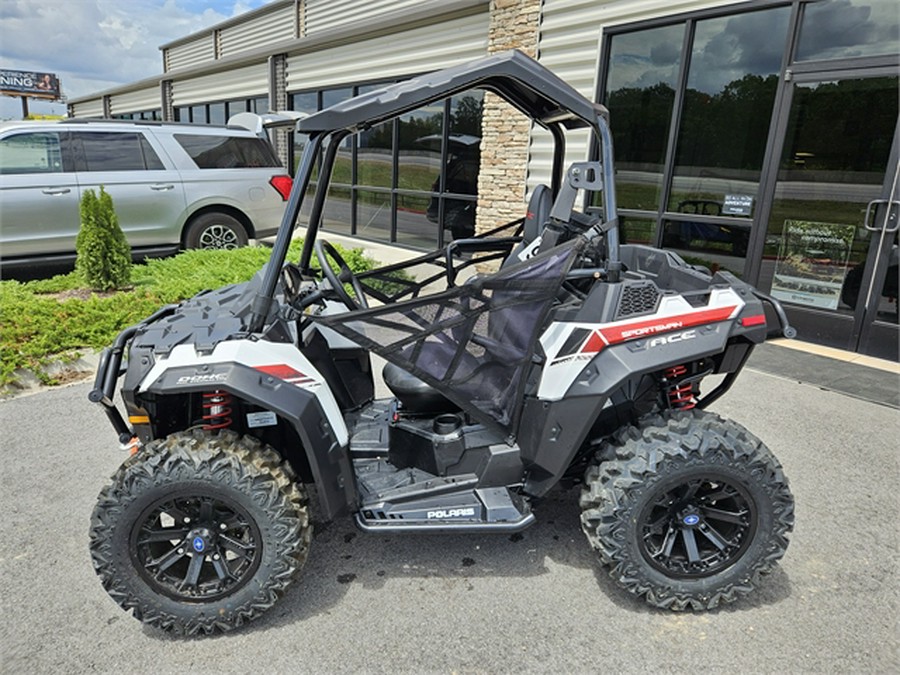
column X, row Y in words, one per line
column 580, row 361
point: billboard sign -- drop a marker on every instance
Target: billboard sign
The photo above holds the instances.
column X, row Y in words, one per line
column 29, row 83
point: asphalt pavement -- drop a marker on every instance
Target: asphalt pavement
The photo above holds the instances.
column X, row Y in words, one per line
column 533, row 602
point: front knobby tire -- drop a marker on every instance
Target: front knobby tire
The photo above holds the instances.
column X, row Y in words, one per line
column 687, row 509
column 200, row 532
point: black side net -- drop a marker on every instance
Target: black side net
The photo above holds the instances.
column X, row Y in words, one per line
column 474, row 343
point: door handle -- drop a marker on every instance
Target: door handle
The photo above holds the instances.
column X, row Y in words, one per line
column 893, row 217
column 160, row 187
column 56, row 191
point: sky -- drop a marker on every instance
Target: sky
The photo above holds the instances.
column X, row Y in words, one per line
column 93, row 45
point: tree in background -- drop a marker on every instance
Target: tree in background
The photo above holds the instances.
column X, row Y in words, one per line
column 103, row 253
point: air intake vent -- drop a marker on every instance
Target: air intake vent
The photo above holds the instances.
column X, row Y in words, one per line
column 638, row 298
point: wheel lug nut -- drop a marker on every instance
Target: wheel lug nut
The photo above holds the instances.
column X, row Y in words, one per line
column 187, row 519
column 223, row 526
column 216, row 556
column 181, row 551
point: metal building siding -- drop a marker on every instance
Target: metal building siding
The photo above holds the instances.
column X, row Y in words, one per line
column 259, row 32
column 414, row 51
column 324, row 15
column 237, row 83
column 136, row 101
column 193, row 53
column 93, row 108
column 569, row 44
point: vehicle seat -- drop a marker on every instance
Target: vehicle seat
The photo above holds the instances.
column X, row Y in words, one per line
column 536, row 216
column 414, row 394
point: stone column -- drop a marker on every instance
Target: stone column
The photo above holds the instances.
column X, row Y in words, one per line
column 504, row 143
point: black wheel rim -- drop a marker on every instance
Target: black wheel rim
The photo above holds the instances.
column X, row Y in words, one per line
column 697, row 527
column 196, row 548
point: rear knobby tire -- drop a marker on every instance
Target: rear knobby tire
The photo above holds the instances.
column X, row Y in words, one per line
column 200, row 532
column 687, row 509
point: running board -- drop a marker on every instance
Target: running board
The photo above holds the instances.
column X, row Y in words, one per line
column 480, row 510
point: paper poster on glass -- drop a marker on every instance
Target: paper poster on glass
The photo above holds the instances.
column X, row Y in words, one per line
column 812, row 262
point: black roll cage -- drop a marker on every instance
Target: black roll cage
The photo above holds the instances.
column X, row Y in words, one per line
column 518, row 79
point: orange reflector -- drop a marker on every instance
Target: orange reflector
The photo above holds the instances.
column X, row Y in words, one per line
column 139, row 419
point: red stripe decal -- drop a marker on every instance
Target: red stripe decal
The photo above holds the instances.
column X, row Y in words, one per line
column 280, row 370
column 755, row 320
column 639, row 329
column 594, row 344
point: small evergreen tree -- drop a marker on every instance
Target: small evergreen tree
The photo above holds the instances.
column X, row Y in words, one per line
column 103, row 254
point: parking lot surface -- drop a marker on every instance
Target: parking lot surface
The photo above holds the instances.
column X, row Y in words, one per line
column 533, row 602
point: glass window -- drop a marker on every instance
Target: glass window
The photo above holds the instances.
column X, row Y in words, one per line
column 259, row 105
column 151, row 159
column 374, row 156
column 112, row 151
column 640, row 94
column 217, row 113
column 227, row 152
column 839, row 29
column 336, row 213
column 735, row 62
column 373, row 215
column 419, row 141
column 830, row 168
column 464, row 143
column 307, row 102
column 30, row 153
column 198, row 114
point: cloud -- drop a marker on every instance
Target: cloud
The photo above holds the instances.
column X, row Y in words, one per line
column 94, row 45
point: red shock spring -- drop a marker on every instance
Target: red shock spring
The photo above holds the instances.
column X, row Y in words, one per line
column 681, row 396
column 216, row 410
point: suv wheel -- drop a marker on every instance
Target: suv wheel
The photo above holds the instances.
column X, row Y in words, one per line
column 687, row 510
column 200, row 532
column 215, row 230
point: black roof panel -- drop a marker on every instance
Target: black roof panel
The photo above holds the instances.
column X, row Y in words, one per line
column 521, row 80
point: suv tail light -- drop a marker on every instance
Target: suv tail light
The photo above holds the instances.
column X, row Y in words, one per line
column 282, row 184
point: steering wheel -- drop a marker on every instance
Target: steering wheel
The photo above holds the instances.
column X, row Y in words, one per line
column 326, row 253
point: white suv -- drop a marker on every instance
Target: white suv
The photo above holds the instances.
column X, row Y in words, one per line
column 173, row 185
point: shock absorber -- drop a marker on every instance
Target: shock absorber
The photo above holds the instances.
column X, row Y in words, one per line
column 216, row 410
column 681, row 396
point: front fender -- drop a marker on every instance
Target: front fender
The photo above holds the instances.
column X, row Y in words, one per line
column 275, row 377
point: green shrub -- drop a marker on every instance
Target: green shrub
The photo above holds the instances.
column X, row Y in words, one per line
column 41, row 320
column 103, row 254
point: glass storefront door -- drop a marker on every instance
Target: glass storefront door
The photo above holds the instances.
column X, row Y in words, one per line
column 830, row 249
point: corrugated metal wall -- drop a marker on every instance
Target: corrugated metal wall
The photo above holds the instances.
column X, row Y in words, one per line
column 323, row 15
column 201, row 50
column 272, row 27
column 136, row 101
column 92, row 108
column 569, row 44
column 237, row 83
column 417, row 50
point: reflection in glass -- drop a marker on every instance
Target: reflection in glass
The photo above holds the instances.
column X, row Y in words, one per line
column 336, row 212
column 30, row 153
column 308, row 103
column 735, row 62
column 839, row 29
column 198, row 114
column 640, row 93
column 419, row 139
column 413, row 227
column 634, row 230
column 373, row 215
column 374, row 162
column 217, row 113
column 816, row 243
